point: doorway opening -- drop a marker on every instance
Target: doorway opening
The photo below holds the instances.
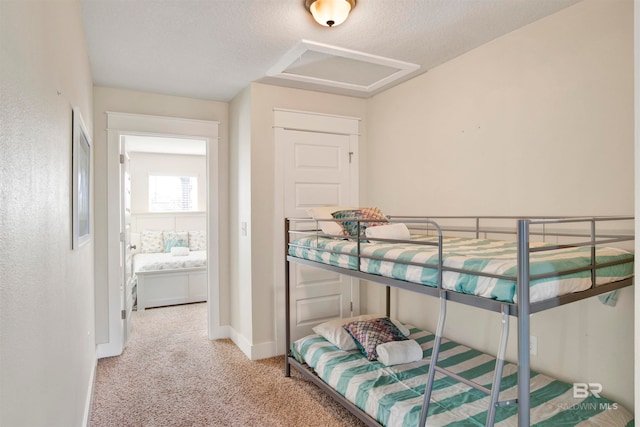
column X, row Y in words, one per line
column 114, row 299
column 165, row 216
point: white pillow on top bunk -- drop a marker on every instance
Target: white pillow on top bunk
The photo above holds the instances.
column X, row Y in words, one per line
column 397, row 231
column 324, row 212
column 334, row 332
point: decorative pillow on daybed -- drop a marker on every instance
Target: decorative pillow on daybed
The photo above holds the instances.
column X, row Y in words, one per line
column 179, row 251
column 174, row 239
column 397, row 231
column 334, row 332
column 197, row 241
column 350, row 217
column 324, row 212
column 370, row 333
column 151, row 241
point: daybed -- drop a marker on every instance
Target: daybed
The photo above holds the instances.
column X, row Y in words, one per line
column 518, row 278
column 169, row 272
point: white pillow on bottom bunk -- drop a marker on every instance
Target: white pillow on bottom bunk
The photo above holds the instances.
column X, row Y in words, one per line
column 398, row 352
column 333, row 331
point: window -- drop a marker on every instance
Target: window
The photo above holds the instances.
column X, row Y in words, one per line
column 173, row 193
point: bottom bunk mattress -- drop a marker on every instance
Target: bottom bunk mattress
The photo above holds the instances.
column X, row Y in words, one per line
column 393, row 394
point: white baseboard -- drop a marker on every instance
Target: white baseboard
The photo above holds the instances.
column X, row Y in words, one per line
column 90, row 393
column 219, row 332
column 240, row 341
column 264, row 350
column 109, row 349
column 253, row 352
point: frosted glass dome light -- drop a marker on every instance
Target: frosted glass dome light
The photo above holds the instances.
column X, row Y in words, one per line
column 330, row 12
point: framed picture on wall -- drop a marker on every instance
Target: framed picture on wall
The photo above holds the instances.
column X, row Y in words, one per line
column 81, row 182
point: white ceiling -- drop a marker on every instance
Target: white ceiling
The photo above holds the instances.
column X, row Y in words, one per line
column 212, row 49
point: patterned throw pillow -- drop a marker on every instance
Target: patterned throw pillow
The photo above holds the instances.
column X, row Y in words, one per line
column 350, row 226
column 368, row 334
column 151, row 242
column 174, row 239
column 197, row 241
column 333, row 331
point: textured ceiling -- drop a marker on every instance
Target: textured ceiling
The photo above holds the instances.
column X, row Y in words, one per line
column 212, row 49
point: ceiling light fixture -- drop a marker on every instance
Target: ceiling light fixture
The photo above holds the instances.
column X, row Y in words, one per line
column 330, row 12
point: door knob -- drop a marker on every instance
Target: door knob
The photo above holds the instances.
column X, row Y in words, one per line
column 132, row 246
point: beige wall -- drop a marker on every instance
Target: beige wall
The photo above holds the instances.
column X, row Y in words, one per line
column 47, row 342
column 126, row 101
column 240, row 211
column 538, row 122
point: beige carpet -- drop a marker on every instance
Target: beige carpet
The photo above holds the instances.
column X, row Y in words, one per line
column 171, row 374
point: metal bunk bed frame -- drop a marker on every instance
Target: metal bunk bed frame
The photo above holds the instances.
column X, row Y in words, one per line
column 522, row 309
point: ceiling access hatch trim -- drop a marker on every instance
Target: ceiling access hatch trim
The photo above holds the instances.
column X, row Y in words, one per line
column 327, row 65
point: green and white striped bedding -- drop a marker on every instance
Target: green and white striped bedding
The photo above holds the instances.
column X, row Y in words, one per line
column 486, row 256
column 393, row 395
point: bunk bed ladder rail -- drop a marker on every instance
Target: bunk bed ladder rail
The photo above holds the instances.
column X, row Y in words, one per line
column 436, row 343
column 494, row 392
column 522, row 291
column 287, row 302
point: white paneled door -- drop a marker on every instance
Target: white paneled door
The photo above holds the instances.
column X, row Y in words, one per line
column 125, row 236
column 317, row 172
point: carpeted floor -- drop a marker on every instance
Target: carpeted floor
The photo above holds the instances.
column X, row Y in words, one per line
column 171, row 374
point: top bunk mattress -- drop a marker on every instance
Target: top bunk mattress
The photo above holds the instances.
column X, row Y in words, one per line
column 166, row 261
column 479, row 256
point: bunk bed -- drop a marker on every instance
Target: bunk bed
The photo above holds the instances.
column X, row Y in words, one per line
column 551, row 262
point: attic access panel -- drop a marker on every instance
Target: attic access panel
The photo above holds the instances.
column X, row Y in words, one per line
column 326, row 65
